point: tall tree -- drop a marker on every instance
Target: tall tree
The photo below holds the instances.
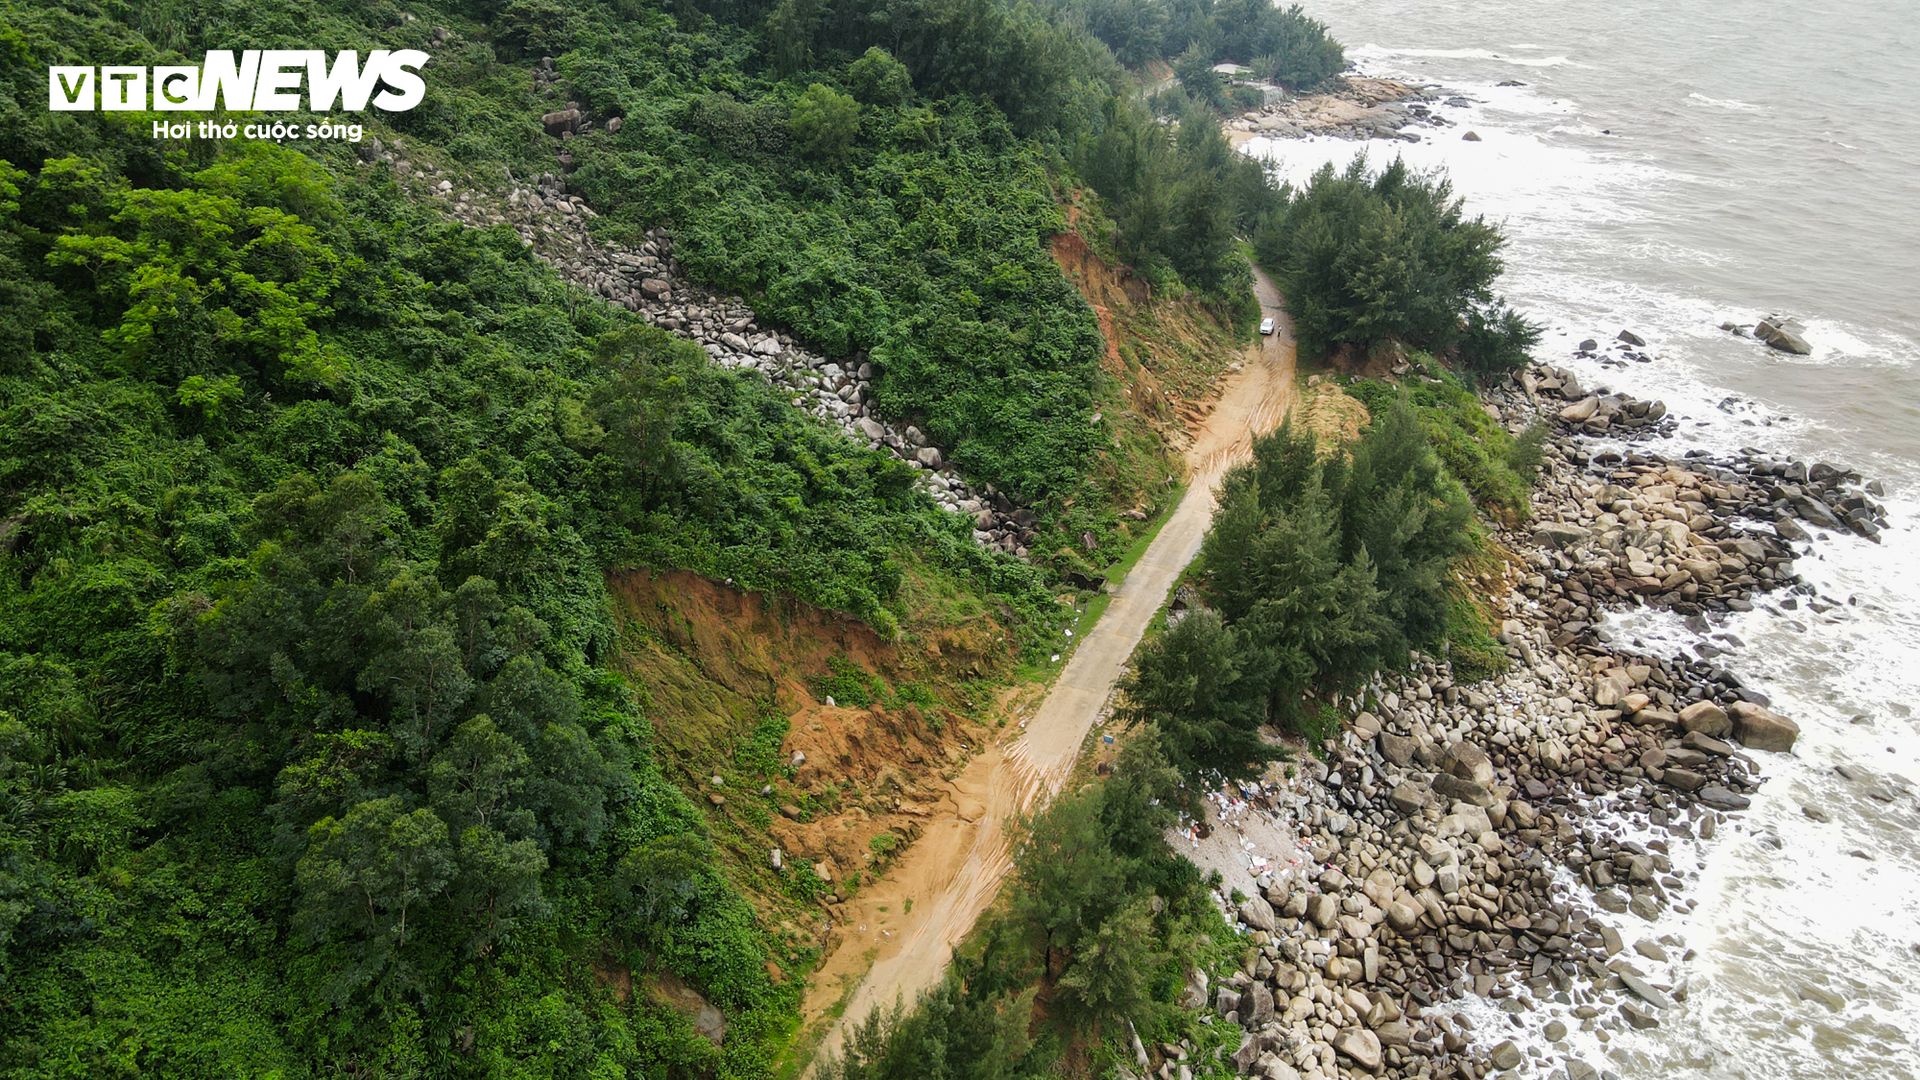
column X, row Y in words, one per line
column 365, row 876
column 1205, row 695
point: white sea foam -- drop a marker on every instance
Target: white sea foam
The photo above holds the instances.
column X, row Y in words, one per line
column 1375, row 52
column 1723, row 103
column 1788, row 918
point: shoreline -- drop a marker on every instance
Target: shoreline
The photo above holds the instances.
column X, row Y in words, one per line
column 1481, row 878
column 1353, row 107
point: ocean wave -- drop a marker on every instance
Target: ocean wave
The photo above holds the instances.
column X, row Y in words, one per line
column 1378, row 52
column 1835, row 342
column 1725, row 103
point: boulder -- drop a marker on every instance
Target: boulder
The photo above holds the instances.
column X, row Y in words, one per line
column 1506, row 1056
column 1261, row 1008
column 1467, row 791
column 1611, row 687
column 1651, row 717
column 1706, row 744
column 1196, row 995
column 1341, row 969
column 1760, row 728
column 1361, row 1045
column 1244, row 1057
column 1630, row 338
column 1268, row 1066
column 1396, row 748
column 1556, row 535
column 1647, row 992
column 1379, row 887
column 1684, row 779
column 1783, row 334
column 1581, row 411
column 1395, row 1033
column 1720, row 798
column 1404, row 918
column 1638, row 1016
column 1257, row 913
column 1409, row 797
column 1469, row 762
column 1707, row 718
column 1323, row 910
column 1474, row 820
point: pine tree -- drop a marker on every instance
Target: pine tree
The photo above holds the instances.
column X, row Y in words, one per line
column 1195, row 687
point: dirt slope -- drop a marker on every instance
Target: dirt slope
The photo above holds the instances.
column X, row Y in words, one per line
column 955, row 870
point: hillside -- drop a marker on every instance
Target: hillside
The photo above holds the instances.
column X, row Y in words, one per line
column 422, row 556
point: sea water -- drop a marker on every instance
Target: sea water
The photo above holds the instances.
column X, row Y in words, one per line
column 1666, row 167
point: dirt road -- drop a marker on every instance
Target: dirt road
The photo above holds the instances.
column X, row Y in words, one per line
column 954, row 871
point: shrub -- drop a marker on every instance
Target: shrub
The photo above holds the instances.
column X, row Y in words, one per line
column 878, row 79
column 824, row 123
column 1367, row 259
column 1204, row 695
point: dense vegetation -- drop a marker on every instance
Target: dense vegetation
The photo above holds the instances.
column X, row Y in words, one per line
column 310, row 758
column 1179, row 196
column 1497, row 468
column 1371, row 259
column 301, row 721
column 1280, row 44
column 1321, row 568
column 1102, row 925
column 898, row 207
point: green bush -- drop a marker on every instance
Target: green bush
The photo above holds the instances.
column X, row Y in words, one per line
column 848, row 684
column 1280, row 44
column 1365, row 260
column 1328, row 567
column 1497, row 469
column 1203, row 693
column 878, row 79
column 824, row 123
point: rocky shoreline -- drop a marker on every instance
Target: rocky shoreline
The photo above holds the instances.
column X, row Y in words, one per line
column 1480, row 877
column 1353, row 107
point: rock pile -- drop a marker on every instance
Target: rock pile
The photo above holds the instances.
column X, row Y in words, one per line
column 1593, row 413
column 1786, row 335
column 1355, row 109
column 1705, row 510
column 646, row 279
column 1437, row 832
column 1625, row 347
column 1497, row 841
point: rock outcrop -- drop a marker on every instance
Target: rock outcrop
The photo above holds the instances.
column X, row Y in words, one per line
column 1786, row 335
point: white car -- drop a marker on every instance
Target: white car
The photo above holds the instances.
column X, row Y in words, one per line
column 1266, row 325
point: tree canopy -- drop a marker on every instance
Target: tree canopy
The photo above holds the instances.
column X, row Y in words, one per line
column 1365, row 259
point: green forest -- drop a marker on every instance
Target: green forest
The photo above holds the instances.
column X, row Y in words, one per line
column 312, row 760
